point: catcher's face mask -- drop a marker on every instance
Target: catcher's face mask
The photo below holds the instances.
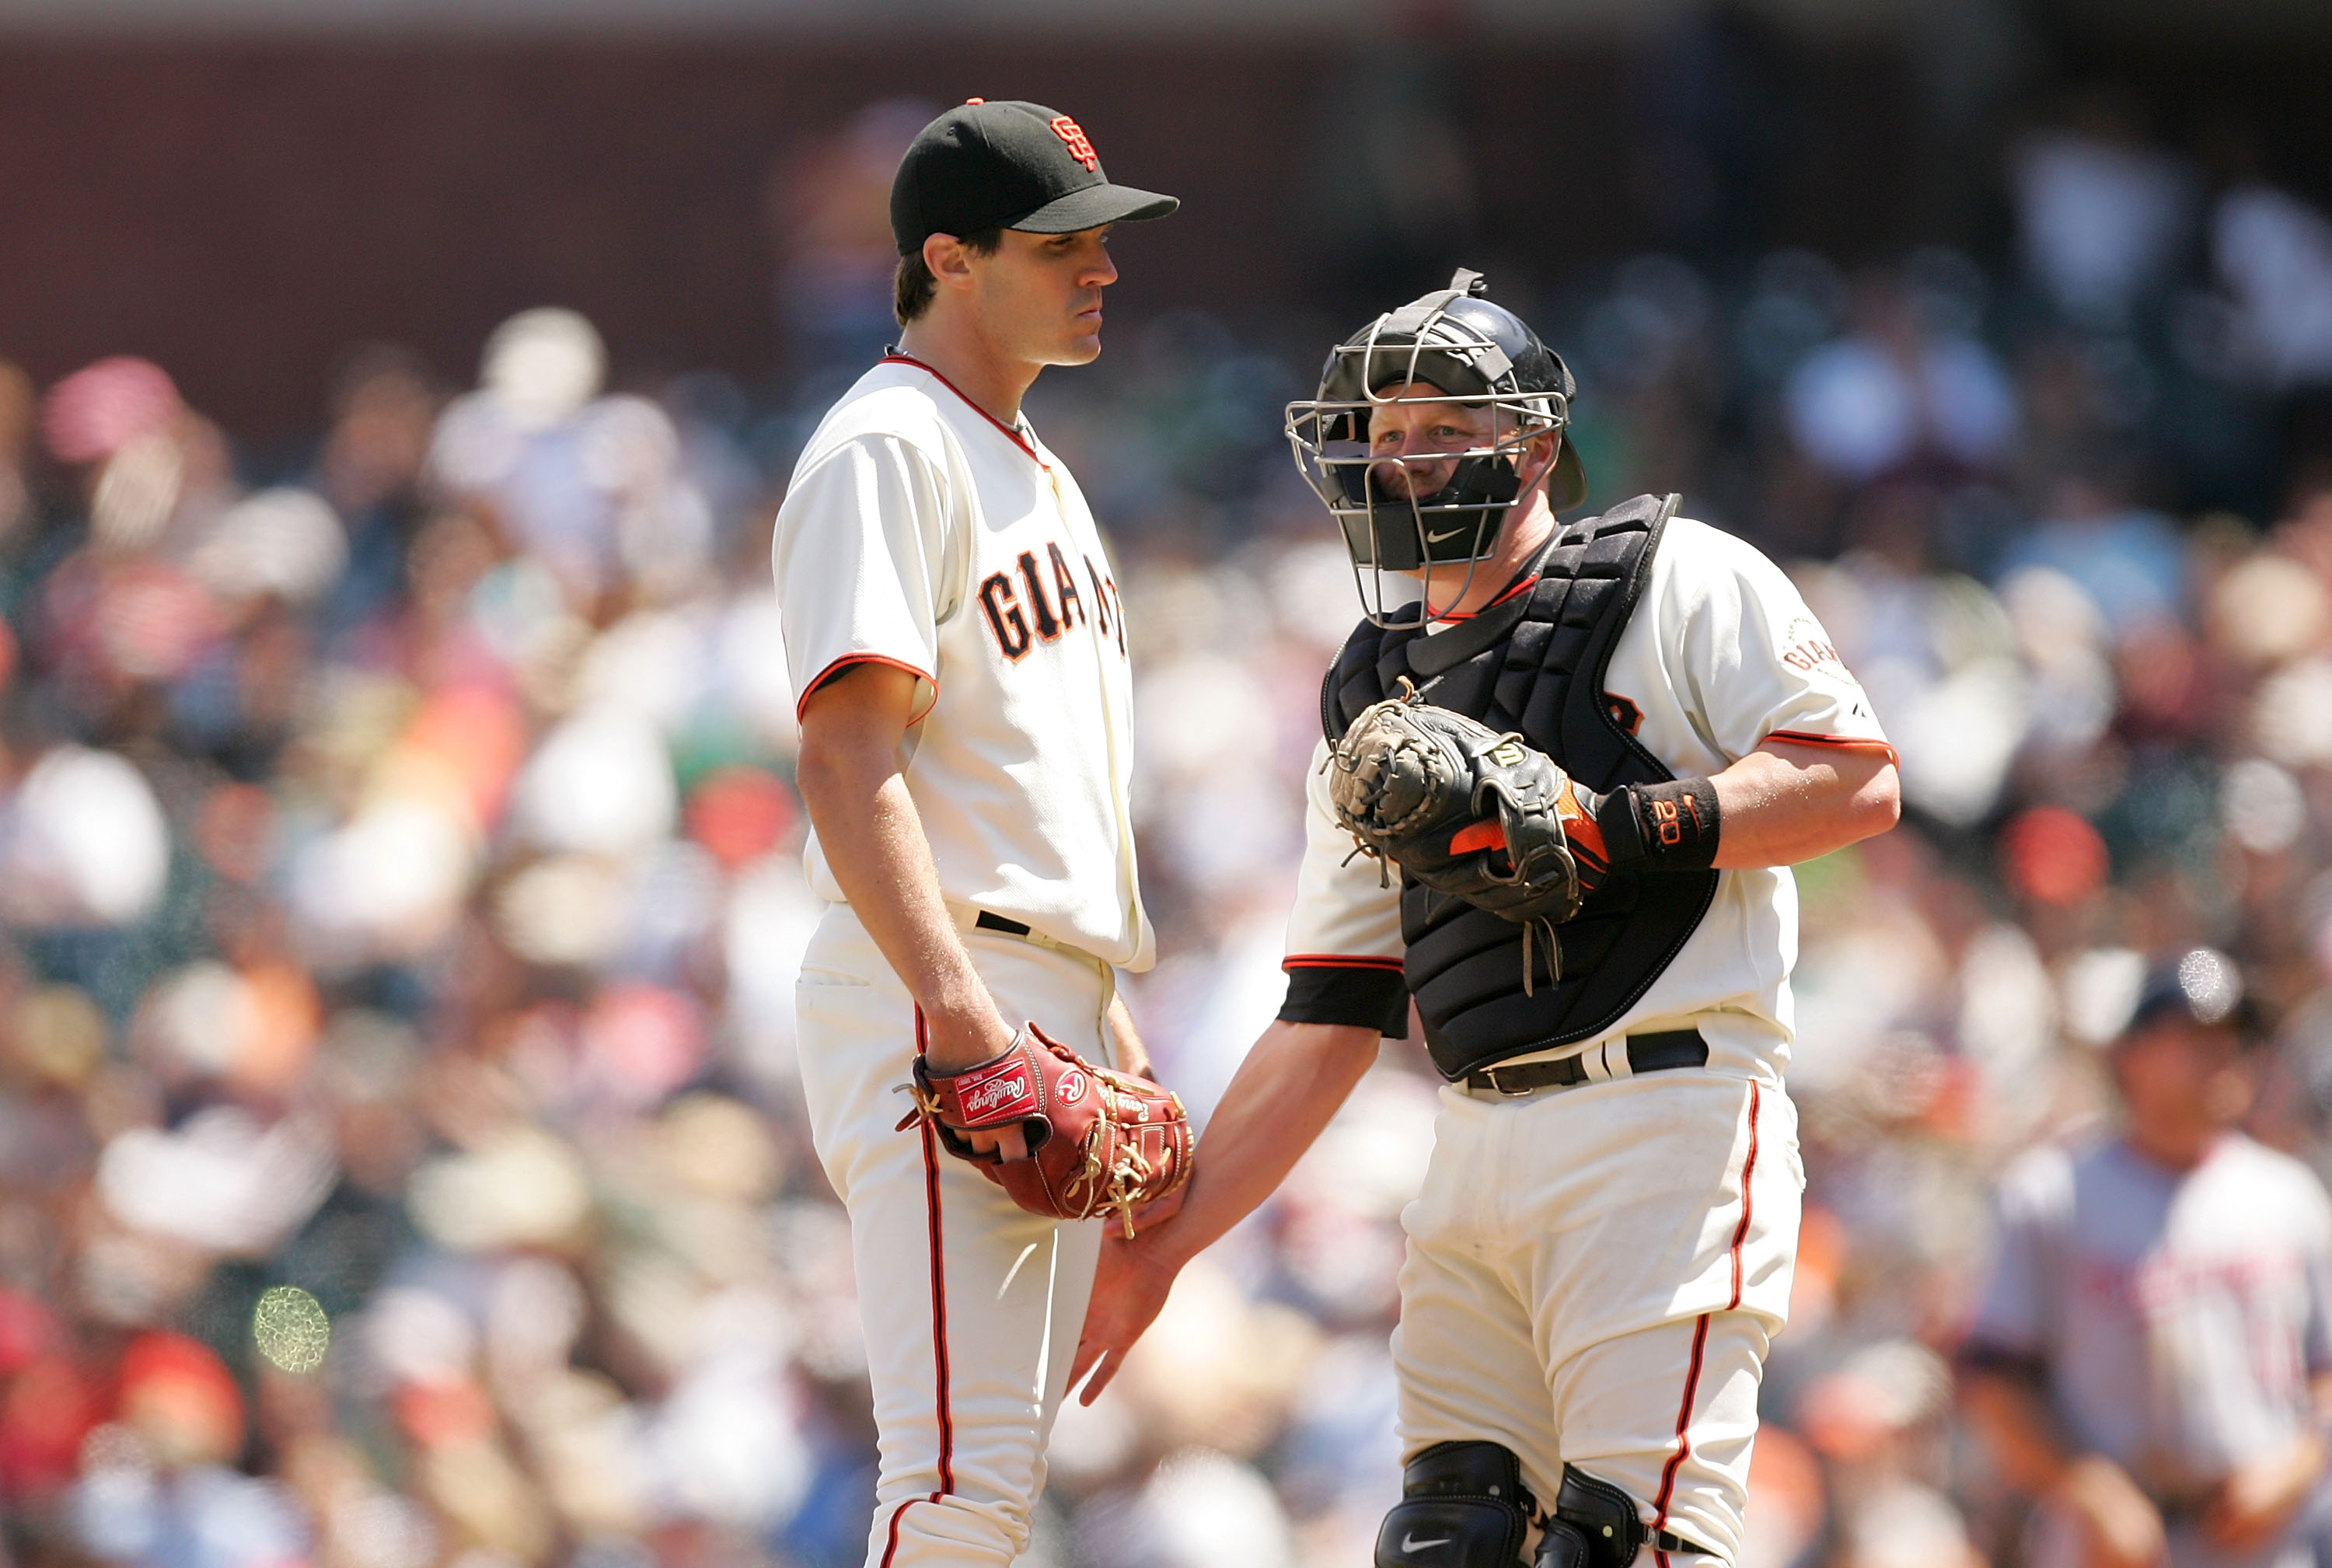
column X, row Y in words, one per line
column 1408, row 499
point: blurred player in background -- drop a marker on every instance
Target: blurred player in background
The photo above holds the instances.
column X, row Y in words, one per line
column 2152, row 1358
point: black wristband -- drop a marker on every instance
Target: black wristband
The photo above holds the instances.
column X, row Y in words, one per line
column 1670, row 827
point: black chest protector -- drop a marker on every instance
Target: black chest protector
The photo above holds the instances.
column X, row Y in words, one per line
column 1534, row 664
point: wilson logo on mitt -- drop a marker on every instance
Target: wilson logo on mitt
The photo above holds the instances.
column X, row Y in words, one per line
column 1099, row 1142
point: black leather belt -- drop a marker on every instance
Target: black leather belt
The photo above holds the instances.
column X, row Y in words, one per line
column 988, row 921
column 1657, row 1053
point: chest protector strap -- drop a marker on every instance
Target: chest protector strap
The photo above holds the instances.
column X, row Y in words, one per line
column 1534, row 664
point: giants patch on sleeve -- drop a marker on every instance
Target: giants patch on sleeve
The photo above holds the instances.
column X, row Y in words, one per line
column 1806, row 646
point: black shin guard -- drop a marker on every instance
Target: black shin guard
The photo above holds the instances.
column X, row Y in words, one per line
column 1462, row 1506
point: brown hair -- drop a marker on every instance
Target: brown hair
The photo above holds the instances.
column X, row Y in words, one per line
column 913, row 286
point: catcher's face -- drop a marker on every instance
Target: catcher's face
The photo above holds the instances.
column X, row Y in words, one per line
column 1416, row 440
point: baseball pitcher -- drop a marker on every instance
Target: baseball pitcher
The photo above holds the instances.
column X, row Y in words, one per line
column 972, row 1080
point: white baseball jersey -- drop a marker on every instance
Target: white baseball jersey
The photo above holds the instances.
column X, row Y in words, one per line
column 920, row 533
column 2180, row 1314
column 1721, row 655
column 1592, row 1273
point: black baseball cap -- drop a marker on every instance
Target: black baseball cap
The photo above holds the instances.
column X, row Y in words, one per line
column 1008, row 165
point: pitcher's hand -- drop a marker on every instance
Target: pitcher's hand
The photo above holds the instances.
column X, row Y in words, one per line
column 952, row 1043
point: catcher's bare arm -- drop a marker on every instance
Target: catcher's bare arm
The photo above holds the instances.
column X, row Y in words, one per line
column 848, row 774
column 1491, row 819
column 1781, row 804
column 1785, row 803
column 1285, row 1091
column 1132, row 1055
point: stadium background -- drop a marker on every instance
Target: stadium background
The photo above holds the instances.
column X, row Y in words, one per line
column 398, row 877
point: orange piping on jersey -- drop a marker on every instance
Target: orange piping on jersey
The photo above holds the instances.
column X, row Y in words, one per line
column 1850, row 743
column 1700, row 1334
column 1010, row 434
column 939, row 1323
column 1748, row 1174
column 1339, row 961
column 844, row 663
column 1524, row 585
column 1683, row 1432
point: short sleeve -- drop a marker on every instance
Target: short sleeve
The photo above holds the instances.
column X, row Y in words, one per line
column 860, row 556
column 1344, row 948
column 2033, row 1204
column 1754, row 664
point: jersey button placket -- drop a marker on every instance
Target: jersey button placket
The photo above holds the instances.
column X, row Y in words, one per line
column 1129, row 889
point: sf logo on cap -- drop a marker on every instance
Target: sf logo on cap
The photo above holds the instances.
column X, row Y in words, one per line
column 1080, row 147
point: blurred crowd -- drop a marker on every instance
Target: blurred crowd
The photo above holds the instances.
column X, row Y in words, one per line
column 401, row 1161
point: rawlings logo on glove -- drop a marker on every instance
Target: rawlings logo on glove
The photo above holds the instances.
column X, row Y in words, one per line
column 1000, row 1092
column 1466, row 811
column 1098, row 1141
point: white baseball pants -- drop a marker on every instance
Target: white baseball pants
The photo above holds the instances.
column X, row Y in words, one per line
column 1592, row 1275
column 972, row 1305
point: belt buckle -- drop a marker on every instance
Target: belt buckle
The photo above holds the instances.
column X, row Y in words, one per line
column 1516, row 1092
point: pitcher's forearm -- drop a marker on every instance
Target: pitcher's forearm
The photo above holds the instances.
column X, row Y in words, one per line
column 874, row 842
column 1289, row 1087
column 1132, row 1055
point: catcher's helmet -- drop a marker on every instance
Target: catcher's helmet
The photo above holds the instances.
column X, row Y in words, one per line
column 1475, row 353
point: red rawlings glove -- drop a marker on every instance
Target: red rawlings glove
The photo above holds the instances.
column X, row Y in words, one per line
column 1097, row 1140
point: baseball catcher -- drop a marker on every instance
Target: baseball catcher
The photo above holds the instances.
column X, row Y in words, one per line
column 1582, row 758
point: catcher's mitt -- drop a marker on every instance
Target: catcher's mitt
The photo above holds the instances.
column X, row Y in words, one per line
column 1097, row 1140
column 1466, row 811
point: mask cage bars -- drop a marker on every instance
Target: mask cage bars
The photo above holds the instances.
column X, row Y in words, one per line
column 1341, row 471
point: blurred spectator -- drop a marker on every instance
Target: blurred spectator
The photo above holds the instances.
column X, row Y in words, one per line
column 2127, row 560
column 2273, row 252
column 2152, row 1360
column 828, row 209
column 1897, row 390
column 399, row 895
column 2102, row 215
column 16, row 406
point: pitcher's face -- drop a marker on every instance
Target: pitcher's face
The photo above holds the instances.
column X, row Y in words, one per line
column 1038, row 296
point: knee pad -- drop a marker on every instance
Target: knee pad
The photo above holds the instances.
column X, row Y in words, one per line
column 1595, row 1524
column 1462, row 1506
